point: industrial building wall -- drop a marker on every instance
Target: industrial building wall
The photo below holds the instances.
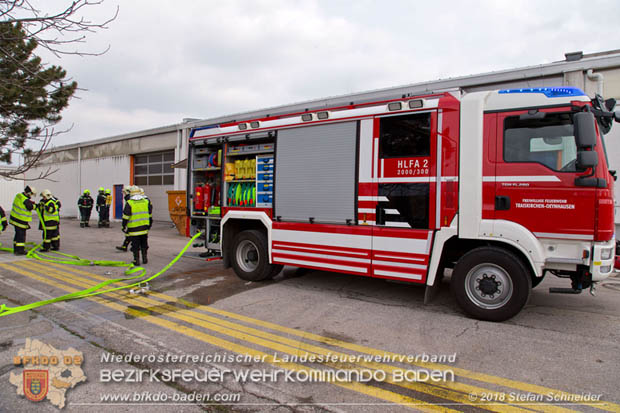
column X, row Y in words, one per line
column 69, row 180
column 612, row 143
column 105, row 172
column 62, row 183
column 159, row 198
column 8, row 189
column 611, row 89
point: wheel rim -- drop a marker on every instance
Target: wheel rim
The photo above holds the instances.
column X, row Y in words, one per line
column 247, row 256
column 488, row 286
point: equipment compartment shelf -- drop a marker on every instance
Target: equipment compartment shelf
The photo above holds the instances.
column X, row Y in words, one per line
column 248, row 153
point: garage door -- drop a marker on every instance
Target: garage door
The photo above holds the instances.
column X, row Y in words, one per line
column 153, row 172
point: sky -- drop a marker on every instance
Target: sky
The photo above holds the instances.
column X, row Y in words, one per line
column 170, row 60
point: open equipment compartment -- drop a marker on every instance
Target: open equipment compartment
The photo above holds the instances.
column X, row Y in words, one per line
column 205, row 180
column 249, row 175
column 227, row 173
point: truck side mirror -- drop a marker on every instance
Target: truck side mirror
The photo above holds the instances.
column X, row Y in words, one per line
column 585, row 132
column 586, row 159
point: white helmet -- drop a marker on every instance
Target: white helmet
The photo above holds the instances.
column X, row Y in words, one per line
column 134, row 190
column 46, row 194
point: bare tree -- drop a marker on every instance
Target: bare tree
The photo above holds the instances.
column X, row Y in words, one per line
column 32, row 94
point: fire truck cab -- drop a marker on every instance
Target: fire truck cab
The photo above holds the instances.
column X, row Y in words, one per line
column 502, row 187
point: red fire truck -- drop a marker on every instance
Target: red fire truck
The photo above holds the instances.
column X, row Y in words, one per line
column 502, row 187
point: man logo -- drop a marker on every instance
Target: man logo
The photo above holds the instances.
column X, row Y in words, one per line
column 35, row 384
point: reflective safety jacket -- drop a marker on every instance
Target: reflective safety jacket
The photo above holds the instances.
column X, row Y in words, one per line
column 86, row 202
column 3, row 222
column 21, row 212
column 137, row 216
column 58, row 204
column 101, row 201
column 49, row 212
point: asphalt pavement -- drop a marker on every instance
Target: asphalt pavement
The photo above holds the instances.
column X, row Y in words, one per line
column 200, row 339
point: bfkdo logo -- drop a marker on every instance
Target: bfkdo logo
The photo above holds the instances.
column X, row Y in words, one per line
column 35, row 384
column 48, row 372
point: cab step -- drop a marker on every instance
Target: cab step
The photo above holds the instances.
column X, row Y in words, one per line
column 556, row 290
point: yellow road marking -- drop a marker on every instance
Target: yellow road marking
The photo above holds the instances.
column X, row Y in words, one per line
column 481, row 377
column 376, row 392
column 448, row 390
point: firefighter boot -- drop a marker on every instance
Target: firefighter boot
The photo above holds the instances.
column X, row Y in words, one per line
column 144, row 259
column 125, row 245
column 136, row 257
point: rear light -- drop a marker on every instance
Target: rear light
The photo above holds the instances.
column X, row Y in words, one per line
column 605, row 269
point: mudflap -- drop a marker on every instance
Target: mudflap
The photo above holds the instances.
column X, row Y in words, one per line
column 431, row 290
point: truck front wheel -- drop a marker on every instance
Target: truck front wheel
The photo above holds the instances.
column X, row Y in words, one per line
column 491, row 283
column 250, row 257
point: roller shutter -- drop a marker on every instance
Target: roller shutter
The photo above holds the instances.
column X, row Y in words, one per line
column 315, row 173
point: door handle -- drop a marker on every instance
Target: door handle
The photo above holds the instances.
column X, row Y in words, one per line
column 502, row 203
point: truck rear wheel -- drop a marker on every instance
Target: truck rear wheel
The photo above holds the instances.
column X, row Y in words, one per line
column 249, row 256
column 491, row 284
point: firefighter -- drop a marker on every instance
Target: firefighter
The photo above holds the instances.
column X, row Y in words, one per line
column 103, row 208
column 108, row 203
column 85, row 204
column 3, row 220
column 58, row 205
column 127, row 240
column 137, row 220
column 49, row 224
column 21, row 216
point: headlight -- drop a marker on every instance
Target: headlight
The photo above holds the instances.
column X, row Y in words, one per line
column 606, row 253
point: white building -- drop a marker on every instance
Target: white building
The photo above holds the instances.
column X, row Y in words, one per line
column 8, row 189
column 145, row 158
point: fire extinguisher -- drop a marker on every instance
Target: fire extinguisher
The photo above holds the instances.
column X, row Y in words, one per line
column 216, row 196
column 207, row 196
column 198, row 198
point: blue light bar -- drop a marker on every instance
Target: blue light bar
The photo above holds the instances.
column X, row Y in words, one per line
column 550, row 92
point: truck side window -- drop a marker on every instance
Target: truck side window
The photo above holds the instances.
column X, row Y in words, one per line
column 407, row 205
column 549, row 141
column 405, row 136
